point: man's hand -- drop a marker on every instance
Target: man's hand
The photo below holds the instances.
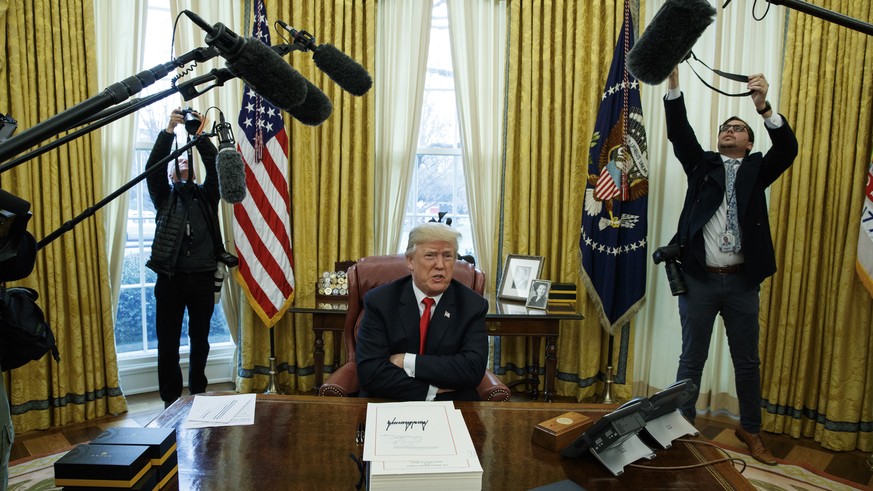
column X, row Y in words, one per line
column 397, row 359
column 673, row 79
column 175, row 118
column 758, row 86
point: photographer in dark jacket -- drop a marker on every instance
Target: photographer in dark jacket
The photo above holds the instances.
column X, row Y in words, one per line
column 726, row 249
column 184, row 258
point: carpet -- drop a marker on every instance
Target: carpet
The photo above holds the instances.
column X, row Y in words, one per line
column 788, row 477
column 33, row 473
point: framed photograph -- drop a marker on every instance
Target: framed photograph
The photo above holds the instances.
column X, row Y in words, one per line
column 538, row 297
column 518, row 274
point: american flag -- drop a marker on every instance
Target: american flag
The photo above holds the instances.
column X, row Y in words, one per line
column 262, row 225
column 613, row 235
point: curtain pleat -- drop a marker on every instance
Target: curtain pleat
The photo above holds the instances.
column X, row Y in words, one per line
column 50, row 67
column 559, row 55
column 331, row 190
column 817, row 329
column 478, row 43
column 401, row 61
column 118, row 57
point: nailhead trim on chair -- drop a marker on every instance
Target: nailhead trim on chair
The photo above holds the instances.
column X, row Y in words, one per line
column 499, row 392
column 331, row 392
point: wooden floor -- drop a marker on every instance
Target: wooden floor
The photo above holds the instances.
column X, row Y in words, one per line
column 142, row 408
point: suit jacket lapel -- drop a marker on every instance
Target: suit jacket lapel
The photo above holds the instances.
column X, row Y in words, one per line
column 409, row 316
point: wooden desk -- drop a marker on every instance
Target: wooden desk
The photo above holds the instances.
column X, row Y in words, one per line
column 304, row 442
column 503, row 319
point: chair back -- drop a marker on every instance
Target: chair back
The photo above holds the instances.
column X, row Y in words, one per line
column 373, row 271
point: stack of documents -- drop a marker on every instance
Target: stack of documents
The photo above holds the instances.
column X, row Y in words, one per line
column 421, row 446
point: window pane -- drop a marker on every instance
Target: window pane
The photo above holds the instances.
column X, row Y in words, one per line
column 439, row 184
column 128, row 321
column 135, row 320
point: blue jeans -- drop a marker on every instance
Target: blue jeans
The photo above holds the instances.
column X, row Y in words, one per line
column 737, row 300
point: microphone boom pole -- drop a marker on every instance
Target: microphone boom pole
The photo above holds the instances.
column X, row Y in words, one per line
column 91, row 210
column 828, row 15
column 187, row 90
column 114, row 94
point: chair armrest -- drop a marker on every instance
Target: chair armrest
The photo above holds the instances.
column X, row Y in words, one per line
column 492, row 389
column 342, row 383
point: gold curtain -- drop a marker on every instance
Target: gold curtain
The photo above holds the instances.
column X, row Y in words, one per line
column 817, row 327
column 45, row 69
column 559, row 57
column 332, row 187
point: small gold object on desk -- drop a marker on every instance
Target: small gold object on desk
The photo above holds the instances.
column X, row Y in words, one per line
column 556, row 433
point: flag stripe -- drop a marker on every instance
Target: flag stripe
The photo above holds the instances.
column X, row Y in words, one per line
column 262, row 221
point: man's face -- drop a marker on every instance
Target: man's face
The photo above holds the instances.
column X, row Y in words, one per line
column 432, row 265
column 733, row 140
column 183, row 171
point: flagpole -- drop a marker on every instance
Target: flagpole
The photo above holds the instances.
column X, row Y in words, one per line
column 273, row 387
column 607, row 397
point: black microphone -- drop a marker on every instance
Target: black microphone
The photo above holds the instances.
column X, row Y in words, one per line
column 229, row 164
column 256, row 64
column 668, row 39
column 341, row 68
column 315, row 109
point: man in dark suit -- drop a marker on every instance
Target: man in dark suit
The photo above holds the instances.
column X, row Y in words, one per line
column 400, row 354
column 725, row 243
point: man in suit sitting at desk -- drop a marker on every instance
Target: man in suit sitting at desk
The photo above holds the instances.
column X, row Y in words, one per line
column 423, row 337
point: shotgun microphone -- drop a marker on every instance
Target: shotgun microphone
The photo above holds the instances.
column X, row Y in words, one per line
column 259, row 66
column 668, row 39
column 229, row 164
column 350, row 75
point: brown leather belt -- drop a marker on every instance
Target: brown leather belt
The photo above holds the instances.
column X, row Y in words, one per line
column 736, row 268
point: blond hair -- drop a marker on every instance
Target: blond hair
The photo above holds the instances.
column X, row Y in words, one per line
column 432, row 232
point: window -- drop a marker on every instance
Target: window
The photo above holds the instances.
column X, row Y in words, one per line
column 135, row 319
column 438, row 182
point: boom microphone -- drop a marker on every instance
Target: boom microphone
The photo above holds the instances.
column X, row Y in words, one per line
column 668, row 39
column 350, row 75
column 256, row 64
column 229, row 164
column 315, row 109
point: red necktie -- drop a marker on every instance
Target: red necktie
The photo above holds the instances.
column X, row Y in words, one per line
column 424, row 321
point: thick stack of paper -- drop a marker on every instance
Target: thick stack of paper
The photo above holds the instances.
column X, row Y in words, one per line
column 421, row 446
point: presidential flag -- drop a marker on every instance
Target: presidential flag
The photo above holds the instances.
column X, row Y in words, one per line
column 864, row 261
column 262, row 225
column 613, row 238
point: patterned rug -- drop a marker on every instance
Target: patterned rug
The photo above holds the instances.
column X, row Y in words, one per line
column 788, row 477
column 34, row 473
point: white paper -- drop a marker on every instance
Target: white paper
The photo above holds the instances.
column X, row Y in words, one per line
column 210, row 411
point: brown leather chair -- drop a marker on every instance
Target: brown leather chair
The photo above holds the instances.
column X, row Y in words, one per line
column 373, row 271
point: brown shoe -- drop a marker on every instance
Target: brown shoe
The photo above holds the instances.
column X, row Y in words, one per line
column 756, row 446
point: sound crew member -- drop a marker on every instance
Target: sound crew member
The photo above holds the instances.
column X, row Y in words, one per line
column 184, row 258
column 726, row 247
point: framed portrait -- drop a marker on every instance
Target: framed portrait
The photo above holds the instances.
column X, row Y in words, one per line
column 518, row 274
column 538, row 296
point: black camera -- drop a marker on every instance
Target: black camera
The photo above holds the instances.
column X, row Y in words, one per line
column 192, row 120
column 227, row 259
column 669, row 255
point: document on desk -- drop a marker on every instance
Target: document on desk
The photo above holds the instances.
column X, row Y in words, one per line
column 210, row 411
column 415, row 444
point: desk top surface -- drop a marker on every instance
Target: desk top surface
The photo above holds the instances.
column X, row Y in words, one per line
column 300, row 440
column 497, row 308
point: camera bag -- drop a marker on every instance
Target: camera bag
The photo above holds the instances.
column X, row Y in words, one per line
column 24, row 334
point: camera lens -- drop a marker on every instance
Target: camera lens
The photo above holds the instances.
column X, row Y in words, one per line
column 192, row 122
column 675, row 278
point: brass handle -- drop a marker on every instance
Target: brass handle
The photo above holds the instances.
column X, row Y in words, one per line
column 492, row 325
